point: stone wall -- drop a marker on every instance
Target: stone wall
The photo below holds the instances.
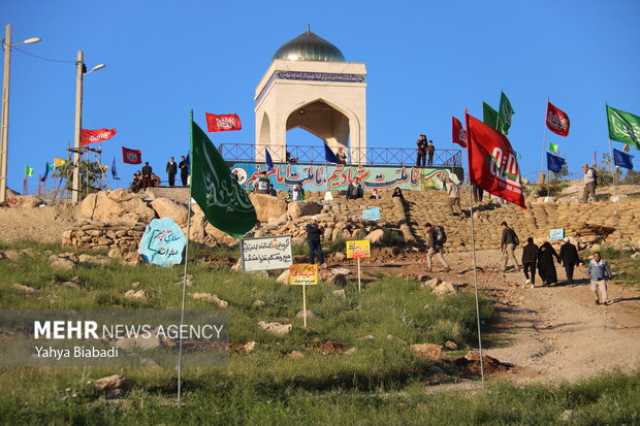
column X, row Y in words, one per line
column 121, row 241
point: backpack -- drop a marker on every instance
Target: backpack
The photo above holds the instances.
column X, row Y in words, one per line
column 514, row 237
column 439, row 236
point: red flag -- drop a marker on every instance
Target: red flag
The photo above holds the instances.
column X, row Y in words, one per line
column 93, row 136
column 131, row 156
column 557, row 120
column 492, row 162
column 459, row 134
column 223, row 122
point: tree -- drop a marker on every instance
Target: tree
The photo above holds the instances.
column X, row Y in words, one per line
column 91, row 176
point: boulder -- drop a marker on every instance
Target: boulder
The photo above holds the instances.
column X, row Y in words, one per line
column 165, row 207
column 275, row 328
column 268, row 207
column 444, row 288
column 61, row 263
column 27, row 201
column 298, row 209
column 295, row 355
column 310, row 314
column 283, row 278
column 339, row 256
column 113, row 386
column 375, row 236
column 115, row 207
column 219, row 235
column 135, row 295
column 24, row 289
column 427, row 351
column 211, row 298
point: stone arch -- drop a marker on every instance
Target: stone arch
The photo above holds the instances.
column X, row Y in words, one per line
column 325, row 120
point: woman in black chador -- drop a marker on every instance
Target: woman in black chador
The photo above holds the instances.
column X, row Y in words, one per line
column 546, row 266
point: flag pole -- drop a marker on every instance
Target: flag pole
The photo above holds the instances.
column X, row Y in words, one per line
column 544, row 144
column 473, row 244
column 611, row 165
column 186, row 263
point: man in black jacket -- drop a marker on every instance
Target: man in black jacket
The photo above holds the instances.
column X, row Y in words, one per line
column 569, row 258
column 184, row 170
column 314, row 232
column 172, row 170
column 529, row 260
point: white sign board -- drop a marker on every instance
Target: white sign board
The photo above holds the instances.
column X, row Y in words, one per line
column 556, row 234
column 265, row 253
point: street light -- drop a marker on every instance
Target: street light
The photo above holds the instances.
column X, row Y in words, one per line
column 4, row 132
column 81, row 69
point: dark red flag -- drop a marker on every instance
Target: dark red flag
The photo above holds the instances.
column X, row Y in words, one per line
column 459, row 134
column 131, row 156
column 93, row 136
column 492, row 162
column 223, row 122
column 557, row 120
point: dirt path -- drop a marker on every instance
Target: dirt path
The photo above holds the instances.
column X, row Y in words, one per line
column 551, row 334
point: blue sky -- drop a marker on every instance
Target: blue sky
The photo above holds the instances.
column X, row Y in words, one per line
column 426, row 61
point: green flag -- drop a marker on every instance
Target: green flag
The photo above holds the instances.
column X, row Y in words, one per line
column 224, row 202
column 553, row 147
column 28, row 171
column 489, row 116
column 504, row 115
column 623, row 127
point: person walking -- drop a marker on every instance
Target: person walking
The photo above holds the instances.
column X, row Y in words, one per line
column 600, row 274
column 147, row 172
column 172, row 170
column 508, row 244
column 569, row 258
column 546, row 267
column 590, row 180
column 454, row 196
column 431, row 149
column 421, row 151
column 314, row 233
column 529, row 261
column 183, row 165
column 435, row 239
column 355, row 190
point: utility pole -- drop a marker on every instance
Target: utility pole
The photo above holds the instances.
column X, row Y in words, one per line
column 6, row 45
column 75, row 187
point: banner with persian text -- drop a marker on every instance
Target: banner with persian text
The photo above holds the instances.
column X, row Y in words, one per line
column 319, row 178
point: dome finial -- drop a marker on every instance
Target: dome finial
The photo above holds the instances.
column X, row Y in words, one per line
column 308, row 28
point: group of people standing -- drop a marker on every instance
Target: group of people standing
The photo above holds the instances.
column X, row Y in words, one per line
column 172, row 170
column 424, row 151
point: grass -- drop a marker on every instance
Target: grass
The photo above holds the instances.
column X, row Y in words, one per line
column 383, row 382
column 625, row 269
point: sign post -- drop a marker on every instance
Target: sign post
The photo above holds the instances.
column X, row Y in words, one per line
column 265, row 253
column 303, row 274
column 358, row 249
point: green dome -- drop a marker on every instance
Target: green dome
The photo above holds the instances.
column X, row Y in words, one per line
column 309, row 47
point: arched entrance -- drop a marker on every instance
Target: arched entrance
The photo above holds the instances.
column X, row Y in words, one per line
column 323, row 121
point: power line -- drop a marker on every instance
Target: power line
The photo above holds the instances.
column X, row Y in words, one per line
column 58, row 61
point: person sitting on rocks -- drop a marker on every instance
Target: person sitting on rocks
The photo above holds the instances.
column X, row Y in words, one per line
column 397, row 192
column 375, row 195
column 435, row 238
column 263, row 185
column 136, row 183
column 354, row 190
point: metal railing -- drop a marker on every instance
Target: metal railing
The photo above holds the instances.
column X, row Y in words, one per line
column 310, row 154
